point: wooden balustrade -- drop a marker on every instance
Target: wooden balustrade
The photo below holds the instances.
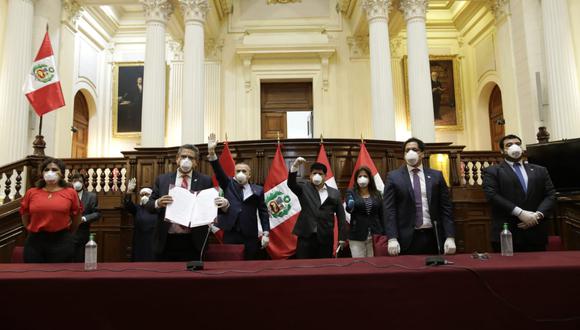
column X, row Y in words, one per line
column 108, row 178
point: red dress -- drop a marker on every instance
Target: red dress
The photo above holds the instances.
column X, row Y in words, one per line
column 50, row 211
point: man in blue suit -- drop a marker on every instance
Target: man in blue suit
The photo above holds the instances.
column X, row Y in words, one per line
column 246, row 201
column 415, row 201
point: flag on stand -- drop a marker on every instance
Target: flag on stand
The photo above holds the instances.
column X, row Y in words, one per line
column 229, row 166
column 331, row 182
column 364, row 159
column 283, row 207
column 42, row 86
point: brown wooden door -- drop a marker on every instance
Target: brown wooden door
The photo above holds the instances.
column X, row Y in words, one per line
column 277, row 98
column 81, row 123
column 496, row 121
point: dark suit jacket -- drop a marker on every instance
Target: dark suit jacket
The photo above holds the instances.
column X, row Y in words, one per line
column 91, row 213
column 316, row 218
column 399, row 205
column 161, row 188
column 241, row 211
column 360, row 221
column 504, row 191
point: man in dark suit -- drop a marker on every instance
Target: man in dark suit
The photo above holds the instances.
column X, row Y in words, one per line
column 320, row 204
column 90, row 214
column 246, row 200
column 415, row 202
column 173, row 242
column 521, row 195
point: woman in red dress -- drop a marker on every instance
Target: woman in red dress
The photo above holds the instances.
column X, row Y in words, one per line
column 50, row 212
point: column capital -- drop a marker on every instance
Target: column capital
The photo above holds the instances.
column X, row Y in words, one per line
column 499, row 8
column 71, row 12
column 413, row 9
column 157, row 10
column 213, row 48
column 377, row 8
column 176, row 49
column 194, row 10
column 359, row 46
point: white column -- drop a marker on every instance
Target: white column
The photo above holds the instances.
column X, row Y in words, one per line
column 14, row 109
column 563, row 95
column 153, row 111
column 175, row 95
column 420, row 94
column 192, row 114
column 383, row 113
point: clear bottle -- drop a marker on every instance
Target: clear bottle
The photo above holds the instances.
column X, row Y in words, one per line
column 507, row 245
column 91, row 253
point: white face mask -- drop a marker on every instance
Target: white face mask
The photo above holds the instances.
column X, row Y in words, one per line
column 412, row 157
column 241, row 177
column 185, row 165
column 515, row 151
column 362, row 181
column 144, row 200
column 78, row 185
column 317, row 179
column 50, row 177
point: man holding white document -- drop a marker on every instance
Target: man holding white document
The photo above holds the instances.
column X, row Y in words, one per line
column 182, row 237
column 240, row 221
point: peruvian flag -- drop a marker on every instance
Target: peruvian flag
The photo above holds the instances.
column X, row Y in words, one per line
column 283, row 207
column 331, row 182
column 364, row 159
column 42, row 87
column 229, row 166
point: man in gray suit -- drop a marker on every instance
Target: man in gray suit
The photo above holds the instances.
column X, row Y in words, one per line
column 91, row 214
column 320, row 203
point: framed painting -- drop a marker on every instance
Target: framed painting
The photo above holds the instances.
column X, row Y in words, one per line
column 446, row 92
column 127, row 98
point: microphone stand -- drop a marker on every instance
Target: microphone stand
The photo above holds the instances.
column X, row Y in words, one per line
column 198, row 264
column 438, row 259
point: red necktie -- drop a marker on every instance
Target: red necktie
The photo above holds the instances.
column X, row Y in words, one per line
column 184, row 182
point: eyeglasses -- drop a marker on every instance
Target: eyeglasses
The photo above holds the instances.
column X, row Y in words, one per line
column 480, row 256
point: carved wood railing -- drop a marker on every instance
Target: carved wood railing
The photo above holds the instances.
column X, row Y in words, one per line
column 108, row 176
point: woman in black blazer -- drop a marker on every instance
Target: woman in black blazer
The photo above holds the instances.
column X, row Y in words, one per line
column 364, row 203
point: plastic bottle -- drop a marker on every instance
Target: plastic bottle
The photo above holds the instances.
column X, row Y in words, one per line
column 507, row 245
column 91, row 253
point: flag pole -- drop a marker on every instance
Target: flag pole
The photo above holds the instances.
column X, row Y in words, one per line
column 278, row 137
column 321, row 139
column 38, row 145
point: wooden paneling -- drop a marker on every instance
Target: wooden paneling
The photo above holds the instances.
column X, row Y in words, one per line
column 273, row 125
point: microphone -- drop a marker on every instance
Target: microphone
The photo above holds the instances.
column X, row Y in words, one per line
column 436, row 260
column 198, row 264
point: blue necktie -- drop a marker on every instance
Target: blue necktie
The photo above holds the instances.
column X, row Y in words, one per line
column 518, row 170
column 418, row 199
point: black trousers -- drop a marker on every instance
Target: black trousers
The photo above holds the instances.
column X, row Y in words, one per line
column 179, row 247
column 251, row 244
column 423, row 242
column 313, row 248
column 46, row 247
column 81, row 238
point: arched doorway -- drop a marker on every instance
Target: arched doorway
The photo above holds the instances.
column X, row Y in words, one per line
column 80, row 127
column 496, row 121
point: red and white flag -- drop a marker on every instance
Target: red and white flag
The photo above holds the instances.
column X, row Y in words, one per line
column 331, row 182
column 364, row 159
column 229, row 166
column 283, row 208
column 42, row 86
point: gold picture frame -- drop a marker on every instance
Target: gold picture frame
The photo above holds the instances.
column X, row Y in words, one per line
column 127, row 99
column 451, row 101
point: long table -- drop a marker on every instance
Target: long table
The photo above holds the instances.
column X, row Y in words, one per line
column 527, row 291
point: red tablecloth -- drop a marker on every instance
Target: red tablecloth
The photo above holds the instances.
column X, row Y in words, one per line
column 527, row 291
